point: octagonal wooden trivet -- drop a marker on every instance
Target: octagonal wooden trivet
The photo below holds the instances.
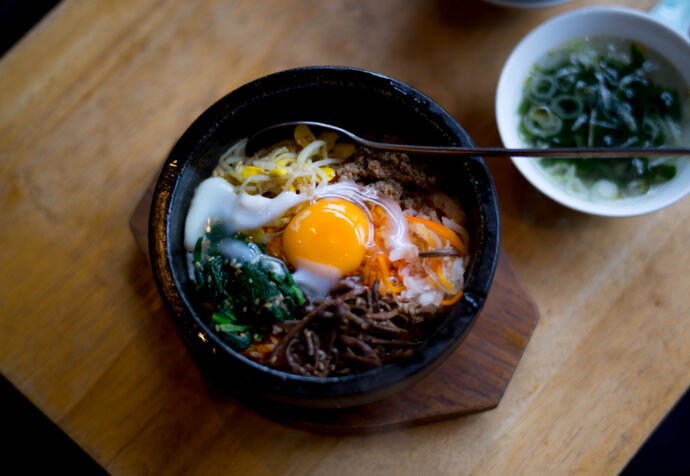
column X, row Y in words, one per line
column 472, row 380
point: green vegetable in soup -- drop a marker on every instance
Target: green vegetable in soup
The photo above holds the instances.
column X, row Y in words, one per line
column 603, row 94
column 249, row 293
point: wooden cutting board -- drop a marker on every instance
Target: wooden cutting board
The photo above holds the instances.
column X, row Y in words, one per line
column 92, row 99
column 472, row 380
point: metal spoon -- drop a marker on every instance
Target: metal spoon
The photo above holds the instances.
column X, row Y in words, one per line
column 272, row 134
column 440, row 253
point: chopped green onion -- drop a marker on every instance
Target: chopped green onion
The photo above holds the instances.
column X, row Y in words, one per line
column 604, row 93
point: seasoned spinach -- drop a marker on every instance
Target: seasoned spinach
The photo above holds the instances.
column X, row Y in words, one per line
column 249, row 292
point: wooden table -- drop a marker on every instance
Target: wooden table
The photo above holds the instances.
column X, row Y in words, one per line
column 92, row 100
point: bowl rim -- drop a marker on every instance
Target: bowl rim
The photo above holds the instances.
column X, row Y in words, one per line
column 179, row 304
column 527, row 3
column 628, row 207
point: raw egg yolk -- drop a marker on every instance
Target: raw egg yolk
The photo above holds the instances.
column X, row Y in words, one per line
column 331, row 233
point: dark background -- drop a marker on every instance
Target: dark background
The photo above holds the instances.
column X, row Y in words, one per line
column 37, row 444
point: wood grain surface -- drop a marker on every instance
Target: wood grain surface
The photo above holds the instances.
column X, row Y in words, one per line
column 472, row 380
column 90, row 103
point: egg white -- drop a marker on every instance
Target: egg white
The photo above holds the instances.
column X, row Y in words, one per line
column 216, row 199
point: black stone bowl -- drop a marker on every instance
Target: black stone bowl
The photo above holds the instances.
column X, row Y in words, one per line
column 367, row 104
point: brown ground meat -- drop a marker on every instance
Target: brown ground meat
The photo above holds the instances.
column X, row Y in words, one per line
column 391, row 174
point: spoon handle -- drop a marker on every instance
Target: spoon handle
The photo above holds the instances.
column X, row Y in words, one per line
column 440, row 253
column 566, row 152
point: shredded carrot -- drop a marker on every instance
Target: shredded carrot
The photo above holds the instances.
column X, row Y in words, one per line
column 439, row 272
column 386, row 274
column 453, row 300
column 442, row 230
column 395, row 289
column 429, row 237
